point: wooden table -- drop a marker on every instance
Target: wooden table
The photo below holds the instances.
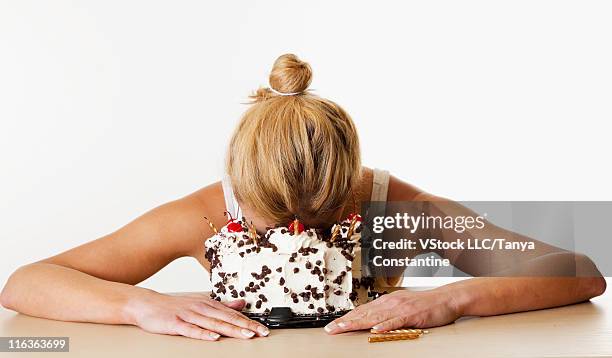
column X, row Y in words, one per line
column 578, row 330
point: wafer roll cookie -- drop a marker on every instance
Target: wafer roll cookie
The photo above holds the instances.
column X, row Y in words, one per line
column 392, row 337
column 212, row 226
column 403, row 330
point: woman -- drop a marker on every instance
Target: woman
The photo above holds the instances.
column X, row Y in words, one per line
column 292, row 154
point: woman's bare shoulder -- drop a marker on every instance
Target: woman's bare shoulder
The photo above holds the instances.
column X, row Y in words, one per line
column 157, row 237
column 399, row 190
column 201, row 206
column 208, row 200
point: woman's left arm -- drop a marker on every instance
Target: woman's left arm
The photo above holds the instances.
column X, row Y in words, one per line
column 484, row 296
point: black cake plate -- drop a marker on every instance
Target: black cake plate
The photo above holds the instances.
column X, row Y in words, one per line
column 283, row 317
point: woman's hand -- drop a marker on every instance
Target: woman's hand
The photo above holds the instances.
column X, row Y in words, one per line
column 400, row 309
column 195, row 316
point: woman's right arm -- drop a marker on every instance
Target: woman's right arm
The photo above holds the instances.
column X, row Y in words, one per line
column 94, row 282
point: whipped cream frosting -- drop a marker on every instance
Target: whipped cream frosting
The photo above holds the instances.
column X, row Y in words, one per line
column 306, row 272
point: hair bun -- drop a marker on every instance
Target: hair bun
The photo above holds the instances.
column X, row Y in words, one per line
column 290, row 74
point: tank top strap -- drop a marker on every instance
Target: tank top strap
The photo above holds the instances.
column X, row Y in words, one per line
column 380, row 189
column 231, row 203
column 380, row 185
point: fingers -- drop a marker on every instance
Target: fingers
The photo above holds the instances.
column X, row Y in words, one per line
column 393, row 323
column 189, row 330
column 216, row 325
column 235, row 305
column 357, row 321
column 190, row 294
column 233, row 317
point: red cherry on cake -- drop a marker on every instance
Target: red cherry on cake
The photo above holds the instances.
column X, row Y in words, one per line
column 292, row 227
column 234, row 226
column 353, row 215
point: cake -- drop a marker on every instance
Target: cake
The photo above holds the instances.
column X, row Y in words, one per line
column 307, row 270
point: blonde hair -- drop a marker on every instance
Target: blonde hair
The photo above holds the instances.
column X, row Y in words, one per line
column 295, row 155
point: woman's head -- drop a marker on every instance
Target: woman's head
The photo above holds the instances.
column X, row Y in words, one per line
column 294, row 155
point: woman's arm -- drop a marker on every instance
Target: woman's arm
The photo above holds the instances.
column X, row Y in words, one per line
column 486, row 296
column 93, row 282
column 478, row 296
column 58, row 292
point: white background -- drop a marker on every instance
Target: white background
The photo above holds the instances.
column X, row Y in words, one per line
column 111, row 108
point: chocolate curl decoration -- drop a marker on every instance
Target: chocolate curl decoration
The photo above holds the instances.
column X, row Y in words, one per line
column 212, row 226
column 351, row 227
column 335, row 233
